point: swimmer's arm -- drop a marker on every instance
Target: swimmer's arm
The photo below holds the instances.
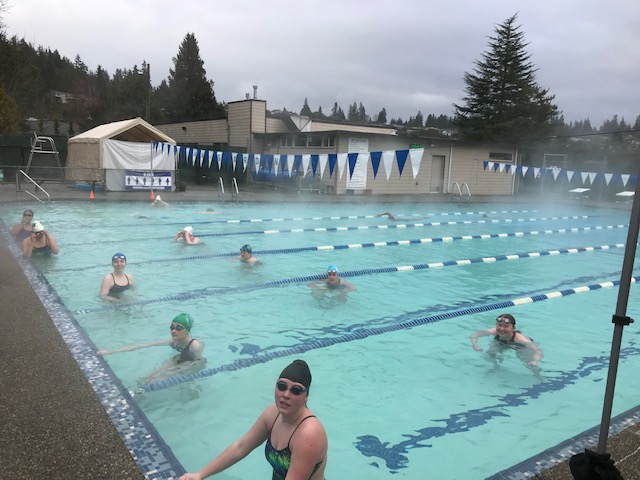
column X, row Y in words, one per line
column 27, row 247
column 348, row 287
column 16, row 229
column 537, row 353
column 107, row 283
column 134, row 347
column 51, row 241
column 197, row 347
column 480, row 333
column 239, row 449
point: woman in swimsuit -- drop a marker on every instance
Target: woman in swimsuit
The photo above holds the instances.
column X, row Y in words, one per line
column 40, row 242
column 505, row 336
column 296, row 442
column 117, row 282
column 189, row 357
column 22, row 230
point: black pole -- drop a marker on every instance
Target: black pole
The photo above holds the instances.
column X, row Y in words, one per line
column 620, row 319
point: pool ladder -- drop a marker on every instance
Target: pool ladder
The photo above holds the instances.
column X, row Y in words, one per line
column 461, row 192
column 235, row 194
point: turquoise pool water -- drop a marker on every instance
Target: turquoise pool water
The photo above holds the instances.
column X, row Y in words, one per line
column 396, row 383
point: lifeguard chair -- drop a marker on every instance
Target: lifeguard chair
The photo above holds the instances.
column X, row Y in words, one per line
column 44, row 161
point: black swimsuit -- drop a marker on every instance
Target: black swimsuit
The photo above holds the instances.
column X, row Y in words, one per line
column 116, row 290
column 186, row 355
column 511, row 343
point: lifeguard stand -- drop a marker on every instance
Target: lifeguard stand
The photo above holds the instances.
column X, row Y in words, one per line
column 44, row 161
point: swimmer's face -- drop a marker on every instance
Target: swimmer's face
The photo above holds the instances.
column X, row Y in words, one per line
column 119, row 262
column 244, row 254
column 332, row 276
column 504, row 327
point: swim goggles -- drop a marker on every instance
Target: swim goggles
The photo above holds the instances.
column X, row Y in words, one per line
column 296, row 389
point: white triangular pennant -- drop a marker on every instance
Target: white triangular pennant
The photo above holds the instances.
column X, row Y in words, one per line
column 625, row 179
column 342, row 159
column 416, row 159
column 387, row 161
column 322, row 163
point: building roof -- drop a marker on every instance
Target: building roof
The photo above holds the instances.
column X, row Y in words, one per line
column 133, row 130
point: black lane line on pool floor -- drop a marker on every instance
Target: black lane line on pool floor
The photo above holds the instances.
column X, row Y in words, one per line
column 346, row 246
column 373, row 331
column 207, row 291
column 397, row 226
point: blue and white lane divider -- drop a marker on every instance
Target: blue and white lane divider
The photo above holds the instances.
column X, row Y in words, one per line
column 346, row 217
column 394, row 226
column 207, row 291
column 389, row 243
column 397, row 226
column 369, row 332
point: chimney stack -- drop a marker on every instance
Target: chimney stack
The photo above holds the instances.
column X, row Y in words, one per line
column 255, row 92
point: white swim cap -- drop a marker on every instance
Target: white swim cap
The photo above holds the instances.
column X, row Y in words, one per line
column 188, row 229
column 37, row 227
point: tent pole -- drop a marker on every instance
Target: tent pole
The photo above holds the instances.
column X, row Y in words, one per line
column 620, row 319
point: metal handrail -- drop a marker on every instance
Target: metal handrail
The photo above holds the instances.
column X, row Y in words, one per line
column 220, row 189
column 468, row 190
column 456, row 184
column 234, row 189
column 36, row 184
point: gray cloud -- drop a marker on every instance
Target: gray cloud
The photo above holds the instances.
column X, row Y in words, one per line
column 406, row 55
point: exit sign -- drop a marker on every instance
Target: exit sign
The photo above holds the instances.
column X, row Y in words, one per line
column 415, row 145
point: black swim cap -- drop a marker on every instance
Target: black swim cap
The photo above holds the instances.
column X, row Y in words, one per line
column 297, row 371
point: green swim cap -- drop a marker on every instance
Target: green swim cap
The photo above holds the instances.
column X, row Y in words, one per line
column 185, row 320
column 210, row 210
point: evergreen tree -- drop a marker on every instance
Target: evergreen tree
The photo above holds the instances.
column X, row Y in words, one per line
column 9, row 120
column 419, row 120
column 352, row 116
column 334, row 111
column 503, row 102
column 306, row 110
column 192, row 96
column 636, row 125
column 382, row 117
column 361, row 114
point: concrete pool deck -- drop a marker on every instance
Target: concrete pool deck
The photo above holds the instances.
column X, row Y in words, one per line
column 53, row 424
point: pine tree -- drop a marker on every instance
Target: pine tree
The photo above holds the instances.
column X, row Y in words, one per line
column 9, row 120
column 503, row 102
column 382, row 116
column 306, row 110
column 192, row 96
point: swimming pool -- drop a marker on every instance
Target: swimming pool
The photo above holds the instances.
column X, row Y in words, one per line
column 396, row 383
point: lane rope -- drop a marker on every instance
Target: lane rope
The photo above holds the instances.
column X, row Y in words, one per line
column 346, row 246
column 345, row 217
column 397, row 226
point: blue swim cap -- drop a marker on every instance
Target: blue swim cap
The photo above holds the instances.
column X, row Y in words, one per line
column 246, row 248
column 332, row 268
column 118, row 255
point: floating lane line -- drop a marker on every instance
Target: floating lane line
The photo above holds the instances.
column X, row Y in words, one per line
column 363, row 333
column 334, row 217
column 207, row 291
column 341, row 229
column 390, row 243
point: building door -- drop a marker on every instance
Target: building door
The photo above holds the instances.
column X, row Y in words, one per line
column 437, row 173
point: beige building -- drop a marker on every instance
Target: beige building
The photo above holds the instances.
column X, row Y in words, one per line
column 433, row 166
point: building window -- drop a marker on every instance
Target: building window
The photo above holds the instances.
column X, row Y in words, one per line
column 308, row 141
column 508, row 157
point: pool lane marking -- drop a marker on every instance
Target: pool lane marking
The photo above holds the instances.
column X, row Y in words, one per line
column 345, row 217
column 363, row 333
column 390, row 243
column 207, row 291
column 397, row 226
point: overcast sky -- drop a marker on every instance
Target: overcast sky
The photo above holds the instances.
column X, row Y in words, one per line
column 403, row 55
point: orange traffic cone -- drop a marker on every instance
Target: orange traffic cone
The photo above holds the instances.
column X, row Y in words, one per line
column 152, row 195
column 91, row 197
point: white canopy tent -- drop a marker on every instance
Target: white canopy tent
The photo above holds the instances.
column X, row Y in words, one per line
column 115, row 153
